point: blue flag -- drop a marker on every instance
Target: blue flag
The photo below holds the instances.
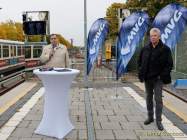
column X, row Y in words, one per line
column 171, row 21
column 131, row 33
column 96, row 38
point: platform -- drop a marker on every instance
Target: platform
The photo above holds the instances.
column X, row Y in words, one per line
column 110, row 113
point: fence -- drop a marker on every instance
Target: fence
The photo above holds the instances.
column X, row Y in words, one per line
column 102, row 72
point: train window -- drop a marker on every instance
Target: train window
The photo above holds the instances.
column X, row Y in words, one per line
column 5, row 51
column 27, row 52
column 13, row 50
column 22, row 50
column 19, row 50
column 37, row 51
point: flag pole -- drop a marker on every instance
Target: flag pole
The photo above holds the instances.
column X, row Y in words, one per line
column 85, row 45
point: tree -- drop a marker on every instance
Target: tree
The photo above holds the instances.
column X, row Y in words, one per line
column 20, row 34
column 111, row 16
column 64, row 41
column 11, row 30
column 152, row 7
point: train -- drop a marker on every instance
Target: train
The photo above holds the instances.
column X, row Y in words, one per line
column 16, row 56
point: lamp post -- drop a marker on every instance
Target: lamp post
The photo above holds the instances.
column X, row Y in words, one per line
column 85, row 45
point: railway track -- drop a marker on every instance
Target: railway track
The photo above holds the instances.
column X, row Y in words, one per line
column 10, row 81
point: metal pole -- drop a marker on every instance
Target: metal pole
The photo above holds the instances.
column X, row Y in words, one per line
column 85, row 45
column 175, row 59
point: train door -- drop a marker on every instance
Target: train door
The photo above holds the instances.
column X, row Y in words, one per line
column 27, row 52
column 13, row 59
column 37, row 51
column 1, row 54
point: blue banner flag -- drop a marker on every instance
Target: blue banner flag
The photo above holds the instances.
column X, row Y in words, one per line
column 96, row 38
column 171, row 21
column 131, row 33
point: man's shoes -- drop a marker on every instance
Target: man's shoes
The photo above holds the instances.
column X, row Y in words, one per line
column 148, row 121
column 159, row 125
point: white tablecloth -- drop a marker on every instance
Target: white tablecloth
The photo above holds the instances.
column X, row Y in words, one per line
column 55, row 121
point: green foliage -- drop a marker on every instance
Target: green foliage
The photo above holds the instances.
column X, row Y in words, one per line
column 111, row 16
column 151, row 6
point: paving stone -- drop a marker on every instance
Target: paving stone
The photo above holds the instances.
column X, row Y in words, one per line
column 106, row 112
column 31, row 139
column 135, row 118
column 80, row 125
column 97, row 125
column 35, row 117
column 12, row 138
column 104, row 135
column 125, row 134
column 82, row 134
column 100, row 118
column 24, row 124
column 110, row 125
column 98, row 108
column 119, row 118
column 72, row 135
column 34, row 135
column 131, row 125
column 33, row 124
column 22, row 132
column 81, row 118
column 50, row 139
column 77, row 112
column 122, row 112
column 74, row 119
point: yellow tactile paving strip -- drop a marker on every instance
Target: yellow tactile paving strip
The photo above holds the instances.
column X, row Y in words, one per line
column 168, row 105
column 16, row 98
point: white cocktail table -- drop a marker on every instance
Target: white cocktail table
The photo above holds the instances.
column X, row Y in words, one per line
column 55, row 121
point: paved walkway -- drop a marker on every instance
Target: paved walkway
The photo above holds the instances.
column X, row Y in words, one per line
column 116, row 114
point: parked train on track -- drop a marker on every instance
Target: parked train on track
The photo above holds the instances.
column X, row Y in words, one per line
column 16, row 56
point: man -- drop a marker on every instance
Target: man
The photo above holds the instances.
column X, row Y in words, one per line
column 155, row 64
column 108, row 52
column 55, row 54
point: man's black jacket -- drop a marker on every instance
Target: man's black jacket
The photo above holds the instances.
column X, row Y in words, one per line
column 155, row 63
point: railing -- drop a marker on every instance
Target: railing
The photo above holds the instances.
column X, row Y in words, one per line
column 178, row 75
column 103, row 72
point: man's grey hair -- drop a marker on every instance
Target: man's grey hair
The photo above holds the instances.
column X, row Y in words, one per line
column 156, row 30
column 53, row 35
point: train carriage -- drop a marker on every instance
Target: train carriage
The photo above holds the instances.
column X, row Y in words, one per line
column 15, row 56
column 32, row 54
column 11, row 57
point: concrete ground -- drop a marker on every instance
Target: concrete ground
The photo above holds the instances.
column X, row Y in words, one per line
column 116, row 114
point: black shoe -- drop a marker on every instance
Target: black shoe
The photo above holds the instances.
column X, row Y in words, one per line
column 159, row 125
column 148, row 121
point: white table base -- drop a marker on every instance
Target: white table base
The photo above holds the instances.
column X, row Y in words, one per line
column 55, row 121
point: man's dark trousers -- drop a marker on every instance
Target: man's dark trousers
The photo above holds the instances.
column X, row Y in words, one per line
column 154, row 87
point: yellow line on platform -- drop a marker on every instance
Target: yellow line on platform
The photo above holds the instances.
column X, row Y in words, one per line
column 167, row 105
column 16, row 98
column 175, row 110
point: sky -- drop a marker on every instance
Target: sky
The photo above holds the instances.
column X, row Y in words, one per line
column 66, row 16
